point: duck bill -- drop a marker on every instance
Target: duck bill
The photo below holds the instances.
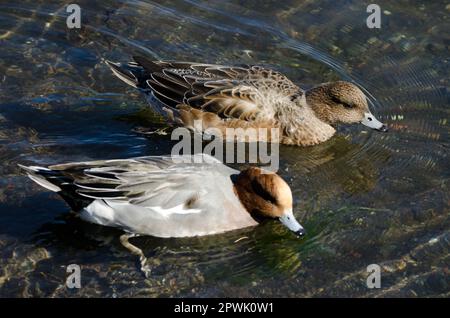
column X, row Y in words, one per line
column 288, row 220
column 370, row 121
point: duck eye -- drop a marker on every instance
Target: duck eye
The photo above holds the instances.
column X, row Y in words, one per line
column 340, row 102
column 369, row 118
column 346, row 105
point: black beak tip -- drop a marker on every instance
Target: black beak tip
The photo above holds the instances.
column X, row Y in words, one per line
column 300, row 233
column 383, row 128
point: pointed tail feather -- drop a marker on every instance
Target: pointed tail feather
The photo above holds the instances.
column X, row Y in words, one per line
column 57, row 182
column 141, row 74
column 37, row 174
column 121, row 72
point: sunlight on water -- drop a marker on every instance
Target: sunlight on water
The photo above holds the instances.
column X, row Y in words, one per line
column 364, row 197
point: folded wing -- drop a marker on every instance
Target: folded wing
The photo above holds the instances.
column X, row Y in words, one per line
column 237, row 92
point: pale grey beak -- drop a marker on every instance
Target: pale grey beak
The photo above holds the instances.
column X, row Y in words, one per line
column 369, row 120
column 291, row 223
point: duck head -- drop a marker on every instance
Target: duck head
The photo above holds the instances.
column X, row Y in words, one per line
column 342, row 102
column 265, row 194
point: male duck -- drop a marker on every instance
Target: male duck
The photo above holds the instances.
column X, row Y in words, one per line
column 224, row 97
column 178, row 196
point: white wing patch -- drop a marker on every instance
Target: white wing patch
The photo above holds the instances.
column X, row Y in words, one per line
column 179, row 209
column 100, row 212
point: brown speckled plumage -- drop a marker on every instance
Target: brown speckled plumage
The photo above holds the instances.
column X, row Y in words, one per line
column 244, row 97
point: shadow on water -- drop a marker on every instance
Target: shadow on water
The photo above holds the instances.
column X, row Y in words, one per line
column 364, row 197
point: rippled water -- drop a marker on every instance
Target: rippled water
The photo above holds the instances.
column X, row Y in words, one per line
column 364, row 197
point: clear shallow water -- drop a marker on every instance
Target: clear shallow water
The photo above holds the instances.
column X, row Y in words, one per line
column 364, row 197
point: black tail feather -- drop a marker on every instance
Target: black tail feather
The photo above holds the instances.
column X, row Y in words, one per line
column 54, row 180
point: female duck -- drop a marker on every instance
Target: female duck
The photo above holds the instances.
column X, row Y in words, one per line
column 170, row 196
column 221, row 97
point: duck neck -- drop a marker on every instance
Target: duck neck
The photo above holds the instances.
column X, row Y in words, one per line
column 240, row 189
column 301, row 126
column 314, row 98
column 257, row 208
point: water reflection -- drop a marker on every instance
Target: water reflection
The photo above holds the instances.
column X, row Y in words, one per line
column 364, row 197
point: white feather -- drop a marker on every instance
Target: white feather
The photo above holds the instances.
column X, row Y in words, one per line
column 44, row 183
column 179, row 209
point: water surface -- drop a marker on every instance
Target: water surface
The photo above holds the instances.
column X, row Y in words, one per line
column 364, row 197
